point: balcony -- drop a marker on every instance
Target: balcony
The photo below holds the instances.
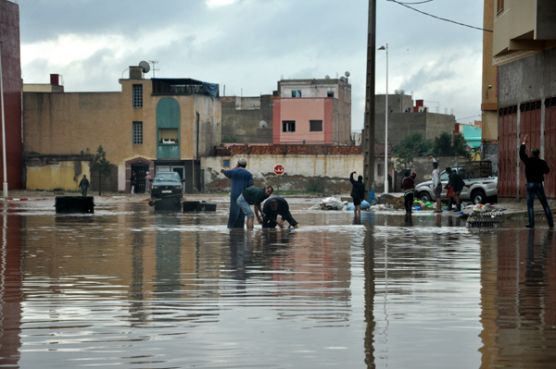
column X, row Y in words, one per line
column 166, row 151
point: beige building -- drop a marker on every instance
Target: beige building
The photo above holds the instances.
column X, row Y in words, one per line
column 150, row 125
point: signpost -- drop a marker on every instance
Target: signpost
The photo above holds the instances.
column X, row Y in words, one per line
column 279, row 169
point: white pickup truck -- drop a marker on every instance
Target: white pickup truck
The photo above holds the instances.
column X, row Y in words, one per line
column 477, row 190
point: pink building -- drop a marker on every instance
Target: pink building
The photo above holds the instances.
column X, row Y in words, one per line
column 312, row 111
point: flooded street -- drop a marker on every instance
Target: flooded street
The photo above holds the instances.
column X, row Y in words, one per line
column 130, row 288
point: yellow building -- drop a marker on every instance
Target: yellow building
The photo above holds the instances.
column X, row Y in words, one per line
column 150, row 125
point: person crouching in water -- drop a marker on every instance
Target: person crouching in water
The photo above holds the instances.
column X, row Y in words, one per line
column 253, row 196
column 357, row 194
column 408, row 187
column 277, row 206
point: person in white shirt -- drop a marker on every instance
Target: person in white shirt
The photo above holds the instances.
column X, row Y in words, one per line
column 436, row 185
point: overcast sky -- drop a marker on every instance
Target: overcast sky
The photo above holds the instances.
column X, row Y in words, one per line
column 248, row 45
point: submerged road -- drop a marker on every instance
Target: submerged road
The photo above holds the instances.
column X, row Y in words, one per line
column 126, row 287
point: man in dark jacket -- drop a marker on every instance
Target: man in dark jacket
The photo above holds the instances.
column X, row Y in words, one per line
column 84, row 185
column 455, row 186
column 408, row 187
column 535, row 169
column 273, row 207
column 357, row 193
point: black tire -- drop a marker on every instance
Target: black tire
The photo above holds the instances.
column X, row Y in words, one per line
column 424, row 196
column 478, row 196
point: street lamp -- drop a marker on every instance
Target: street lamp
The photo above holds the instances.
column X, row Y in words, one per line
column 385, row 48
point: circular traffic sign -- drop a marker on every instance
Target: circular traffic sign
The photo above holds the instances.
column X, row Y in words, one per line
column 279, row 169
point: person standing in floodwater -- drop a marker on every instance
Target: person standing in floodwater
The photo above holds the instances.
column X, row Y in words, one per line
column 357, row 194
column 148, row 181
column 84, row 185
column 241, row 179
column 408, row 187
column 436, row 186
column 535, row 169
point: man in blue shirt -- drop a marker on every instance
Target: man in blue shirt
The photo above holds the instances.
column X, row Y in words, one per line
column 241, row 179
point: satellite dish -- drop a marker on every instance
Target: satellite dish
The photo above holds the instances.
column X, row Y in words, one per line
column 263, row 124
column 145, row 66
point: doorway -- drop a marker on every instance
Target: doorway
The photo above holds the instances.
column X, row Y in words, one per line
column 140, row 171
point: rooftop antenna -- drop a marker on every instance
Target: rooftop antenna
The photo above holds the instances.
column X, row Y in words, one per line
column 154, row 63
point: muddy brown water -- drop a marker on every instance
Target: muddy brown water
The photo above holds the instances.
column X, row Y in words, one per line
column 130, row 288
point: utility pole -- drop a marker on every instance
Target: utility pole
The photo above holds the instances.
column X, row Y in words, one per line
column 369, row 131
column 2, row 107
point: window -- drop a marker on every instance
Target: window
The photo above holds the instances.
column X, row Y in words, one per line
column 137, row 96
column 296, row 93
column 137, row 133
column 288, row 126
column 315, row 125
column 499, row 6
column 168, row 136
column 330, row 93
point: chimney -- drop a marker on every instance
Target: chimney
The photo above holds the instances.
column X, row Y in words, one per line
column 135, row 72
column 55, row 80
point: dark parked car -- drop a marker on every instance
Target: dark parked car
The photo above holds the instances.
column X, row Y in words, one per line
column 167, row 187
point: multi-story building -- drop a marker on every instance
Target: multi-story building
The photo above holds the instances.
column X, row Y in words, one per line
column 406, row 118
column 489, row 96
column 523, row 55
column 150, row 125
column 11, row 87
column 312, row 111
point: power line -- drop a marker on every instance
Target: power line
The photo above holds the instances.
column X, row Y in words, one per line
column 407, row 5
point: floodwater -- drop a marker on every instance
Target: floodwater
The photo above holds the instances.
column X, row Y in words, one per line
column 130, row 288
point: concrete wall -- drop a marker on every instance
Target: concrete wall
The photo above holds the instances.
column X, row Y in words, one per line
column 307, row 167
column 247, row 120
column 546, row 13
column 397, row 103
column 331, row 171
column 528, row 79
column 53, row 174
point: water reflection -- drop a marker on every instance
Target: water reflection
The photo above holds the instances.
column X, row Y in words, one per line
column 519, row 301
column 130, row 288
column 10, row 291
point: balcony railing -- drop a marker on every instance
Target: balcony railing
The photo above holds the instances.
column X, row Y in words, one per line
column 168, row 151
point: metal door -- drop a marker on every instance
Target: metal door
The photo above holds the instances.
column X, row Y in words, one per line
column 507, row 161
column 530, row 125
column 550, row 146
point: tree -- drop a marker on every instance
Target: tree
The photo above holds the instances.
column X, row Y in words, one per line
column 101, row 166
column 445, row 146
column 460, row 146
column 412, row 146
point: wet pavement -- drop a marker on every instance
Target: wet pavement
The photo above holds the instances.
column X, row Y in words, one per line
column 126, row 287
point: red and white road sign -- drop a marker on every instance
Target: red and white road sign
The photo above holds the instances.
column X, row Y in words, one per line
column 279, row 169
